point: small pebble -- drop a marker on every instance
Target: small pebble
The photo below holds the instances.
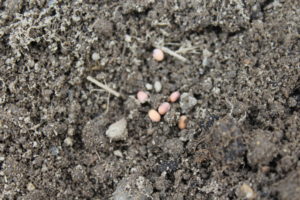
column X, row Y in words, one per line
column 118, row 153
column 148, row 86
column 158, row 55
column 54, row 150
column 182, row 122
column 68, row 141
column 174, row 96
column 265, row 169
column 247, row 192
column 95, row 56
column 71, row 131
column 142, row 97
column 76, row 18
column 154, row 115
column 30, row 187
column 164, row 108
column 157, row 86
column 127, row 38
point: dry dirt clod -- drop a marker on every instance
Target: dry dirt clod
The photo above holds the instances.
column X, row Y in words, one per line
column 172, row 117
column 174, row 146
column 187, row 102
column 133, row 187
column 117, row 130
column 78, row 173
column 261, row 150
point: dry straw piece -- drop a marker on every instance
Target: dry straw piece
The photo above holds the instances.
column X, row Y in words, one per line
column 105, row 87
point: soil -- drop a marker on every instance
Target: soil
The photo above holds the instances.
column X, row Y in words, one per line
column 242, row 66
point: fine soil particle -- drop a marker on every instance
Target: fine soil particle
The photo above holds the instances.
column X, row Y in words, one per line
column 238, row 66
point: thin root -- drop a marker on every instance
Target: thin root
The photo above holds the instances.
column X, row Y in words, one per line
column 105, row 87
column 107, row 104
column 107, row 99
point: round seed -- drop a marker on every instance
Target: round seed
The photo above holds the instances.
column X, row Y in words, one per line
column 158, row 55
column 182, row 122
column 164, row 108
column 174, row 96
column 154, row 115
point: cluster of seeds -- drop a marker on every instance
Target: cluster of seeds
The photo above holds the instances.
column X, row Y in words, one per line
column 155, row 115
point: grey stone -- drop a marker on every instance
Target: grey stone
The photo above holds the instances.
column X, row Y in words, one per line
column 117, row 130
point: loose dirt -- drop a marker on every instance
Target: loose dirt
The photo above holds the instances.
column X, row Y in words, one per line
column 241, row 68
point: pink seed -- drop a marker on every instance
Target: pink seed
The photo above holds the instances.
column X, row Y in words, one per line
column 154, row 115
column 158, row 55
column 164, row 108
column 142, row 96
column 174, row 96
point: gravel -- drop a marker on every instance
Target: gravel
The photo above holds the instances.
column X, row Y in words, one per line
column 157, row 86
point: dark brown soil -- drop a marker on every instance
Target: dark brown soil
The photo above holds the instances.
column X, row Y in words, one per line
column 242, row 139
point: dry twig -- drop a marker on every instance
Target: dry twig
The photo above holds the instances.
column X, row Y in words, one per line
column 105, row 87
